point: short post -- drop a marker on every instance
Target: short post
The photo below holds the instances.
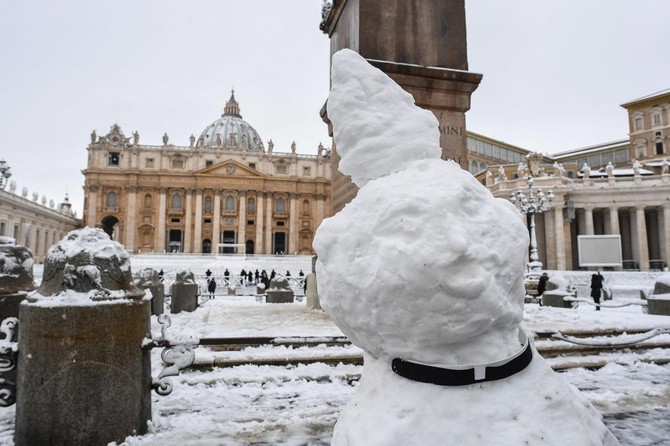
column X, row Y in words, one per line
column 148, row 279
column 84, row 376
column 280, row 291
column 184, row 293
column 311, row 292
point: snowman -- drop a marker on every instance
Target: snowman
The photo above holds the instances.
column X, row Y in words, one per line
column 423, row 270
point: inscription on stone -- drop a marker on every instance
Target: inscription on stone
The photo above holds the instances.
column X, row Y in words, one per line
column 448, row 130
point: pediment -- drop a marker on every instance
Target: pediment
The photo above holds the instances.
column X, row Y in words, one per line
column 230, row 169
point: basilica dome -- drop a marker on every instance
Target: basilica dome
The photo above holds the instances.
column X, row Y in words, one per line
column 230, row 131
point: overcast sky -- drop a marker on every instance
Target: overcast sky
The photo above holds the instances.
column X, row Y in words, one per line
column 555, row 73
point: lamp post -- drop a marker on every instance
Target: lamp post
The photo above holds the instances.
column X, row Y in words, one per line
column 5, row 173
column 534, row 203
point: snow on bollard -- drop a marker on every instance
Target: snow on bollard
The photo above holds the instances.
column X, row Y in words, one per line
column 428, row 281
column 84, row 378
column 280, row 291
column 148, row 279
column 184, row 293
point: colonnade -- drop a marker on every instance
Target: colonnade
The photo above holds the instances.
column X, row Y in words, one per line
column 644, row 231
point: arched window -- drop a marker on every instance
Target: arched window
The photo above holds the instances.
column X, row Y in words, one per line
column 147, row 201
column 176, row 201
column 208, row 203
column 281, row 205
column 305, row 207
column 111, row 200
column 251, row 205
column 482, row 166
column 230, row 203
column 473, row 166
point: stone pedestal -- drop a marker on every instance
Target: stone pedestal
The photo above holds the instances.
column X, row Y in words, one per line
column 311, row 293
column 555, row 300
column 659, row 306
column 84, row 377
column 279, row 296
column 184, row 297
column 157, row 299
column 422, row 46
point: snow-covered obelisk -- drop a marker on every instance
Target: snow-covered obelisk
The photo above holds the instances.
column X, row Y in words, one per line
column 424, row 271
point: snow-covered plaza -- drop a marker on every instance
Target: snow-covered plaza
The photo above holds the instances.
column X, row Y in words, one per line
column 299, row 404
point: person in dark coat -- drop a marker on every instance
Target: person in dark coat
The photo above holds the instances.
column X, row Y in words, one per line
column 256, row 275
column 272, row 274
column 288, row 273
column 211, row 287
column 208, row 273
column 160, row 275
column 597, row 281
column 250, row 277
column 542, row 284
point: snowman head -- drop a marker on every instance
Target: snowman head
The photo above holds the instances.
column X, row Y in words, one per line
column 424, row 258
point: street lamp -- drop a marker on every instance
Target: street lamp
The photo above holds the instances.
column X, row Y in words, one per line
column 5, row 173
column 534, row 203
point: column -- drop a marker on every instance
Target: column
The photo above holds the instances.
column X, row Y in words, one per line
column 588, row 220
column 260, row 198
column 131, row 213
column 159, row 244
column 562, row 238
column 242, row 219
column 614, row 220
column 612, row 226
column 293, row 224
column 91, row 210
column 197, row 236
column 268, row 223
column 188, row 222
column 216, row 222
column 550, row 239
column 640, row 238
column 665, row 241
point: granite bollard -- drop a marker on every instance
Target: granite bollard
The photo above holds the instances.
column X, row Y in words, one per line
column 557, row 288
column 279, row 292
column 658, row 302
column 184, row 293
column 84, row 376
column 148, row 279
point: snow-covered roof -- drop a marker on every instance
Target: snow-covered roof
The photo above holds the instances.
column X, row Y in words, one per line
column 619, row 172
column 658, row 94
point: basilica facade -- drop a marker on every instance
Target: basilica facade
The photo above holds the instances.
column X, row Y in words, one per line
column 227, row 192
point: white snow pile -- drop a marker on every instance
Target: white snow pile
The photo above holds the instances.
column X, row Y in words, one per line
column 83, row 245
column 93, row 242
column 427, row 266
column 408, row 132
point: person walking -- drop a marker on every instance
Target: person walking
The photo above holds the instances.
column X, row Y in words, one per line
column 597, row 281
column 211, row 287
column 542, row 284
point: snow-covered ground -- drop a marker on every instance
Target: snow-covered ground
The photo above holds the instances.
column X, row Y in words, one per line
column 298, row 405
